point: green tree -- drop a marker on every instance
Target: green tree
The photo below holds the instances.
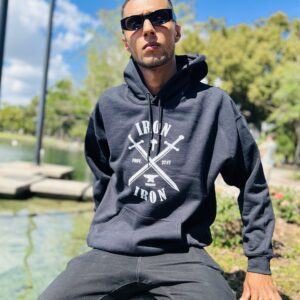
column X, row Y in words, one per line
column 30, row 116
column 244, row 58
column 105, row 69
column 66, row 109
column 11, row 118
column 250, row 62
column 66, row 115
column 286, row 110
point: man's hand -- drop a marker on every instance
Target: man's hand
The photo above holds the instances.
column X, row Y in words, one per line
column 259, row 287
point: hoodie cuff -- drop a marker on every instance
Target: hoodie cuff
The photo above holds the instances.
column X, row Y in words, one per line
column 259, row 264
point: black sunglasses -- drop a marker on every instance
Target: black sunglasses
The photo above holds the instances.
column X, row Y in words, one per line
column 156, row 18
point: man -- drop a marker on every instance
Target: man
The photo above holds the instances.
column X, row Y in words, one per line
column 267, row 151
column 156, row 145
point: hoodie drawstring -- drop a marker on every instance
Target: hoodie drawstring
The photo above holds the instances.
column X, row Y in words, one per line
column 151, row 133
column 159, row 126
column 151, row 126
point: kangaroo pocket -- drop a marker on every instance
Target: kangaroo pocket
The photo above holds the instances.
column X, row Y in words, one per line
column 131, row 233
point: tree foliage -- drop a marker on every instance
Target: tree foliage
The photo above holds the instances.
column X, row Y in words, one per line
column 286, row 109
column 258, row 66
column 66, row 115
column 66, row 110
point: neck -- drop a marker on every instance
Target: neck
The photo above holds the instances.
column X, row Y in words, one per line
column 155, row 78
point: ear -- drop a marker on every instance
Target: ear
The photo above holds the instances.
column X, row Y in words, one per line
column 125, row 43
column 177, row 32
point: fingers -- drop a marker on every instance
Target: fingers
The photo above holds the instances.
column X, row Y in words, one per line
column 260, row 295
column 263, row 289
column 246, row 292
column 270, row 293
column 245, row 297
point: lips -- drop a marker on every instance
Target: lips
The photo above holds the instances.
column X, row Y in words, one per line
column 152, row 45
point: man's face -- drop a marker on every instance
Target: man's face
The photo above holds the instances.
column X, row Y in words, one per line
column 151, row 46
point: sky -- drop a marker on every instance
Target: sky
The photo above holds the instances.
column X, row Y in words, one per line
column 26, row 37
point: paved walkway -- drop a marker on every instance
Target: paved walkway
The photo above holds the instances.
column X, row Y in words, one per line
column 279, row 178
column 284, row 178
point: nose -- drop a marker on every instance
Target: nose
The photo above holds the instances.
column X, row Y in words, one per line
column 148, row 28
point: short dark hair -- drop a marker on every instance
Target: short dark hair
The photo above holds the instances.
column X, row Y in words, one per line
column 126, row 1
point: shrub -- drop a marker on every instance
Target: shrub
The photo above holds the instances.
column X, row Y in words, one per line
column 286, row 202
column 227, row 229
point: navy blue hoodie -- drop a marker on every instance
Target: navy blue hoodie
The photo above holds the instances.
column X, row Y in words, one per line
column 155, row 160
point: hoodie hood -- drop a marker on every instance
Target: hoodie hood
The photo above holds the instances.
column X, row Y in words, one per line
column 188, row 67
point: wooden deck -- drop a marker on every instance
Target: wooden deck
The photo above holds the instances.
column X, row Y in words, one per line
column 57, row 188
column 17, row 185
column 24, row 179
column 47, row 170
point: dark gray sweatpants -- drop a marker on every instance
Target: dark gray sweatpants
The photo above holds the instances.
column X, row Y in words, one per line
column 97, row 274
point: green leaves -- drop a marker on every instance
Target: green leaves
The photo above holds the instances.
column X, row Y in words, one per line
column 67, row 111
column 258, row 65
column 227, row 228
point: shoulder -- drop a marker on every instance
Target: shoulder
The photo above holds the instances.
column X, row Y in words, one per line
column 216, row 97
column 112, row 92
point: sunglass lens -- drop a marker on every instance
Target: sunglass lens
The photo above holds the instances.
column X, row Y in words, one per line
column 157, row 18
column 133, row 23
column 160, row 17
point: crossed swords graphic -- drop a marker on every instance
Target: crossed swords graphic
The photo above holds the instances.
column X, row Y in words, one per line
column 152, row 161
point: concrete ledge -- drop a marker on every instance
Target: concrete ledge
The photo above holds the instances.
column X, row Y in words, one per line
column 16, row 185
column 46, row 170
column 88, row 194
column 63, row 189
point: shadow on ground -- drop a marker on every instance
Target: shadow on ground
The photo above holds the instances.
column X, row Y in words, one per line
column 236, row 280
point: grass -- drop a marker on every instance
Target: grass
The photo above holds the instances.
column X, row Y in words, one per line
column 295, row 175
column 47, row 140
column 42, row 205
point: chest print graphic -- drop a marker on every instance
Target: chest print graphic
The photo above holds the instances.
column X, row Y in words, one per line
column 156, row 194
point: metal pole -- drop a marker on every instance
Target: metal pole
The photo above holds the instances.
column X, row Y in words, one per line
column 41, row 114
column 3, row 17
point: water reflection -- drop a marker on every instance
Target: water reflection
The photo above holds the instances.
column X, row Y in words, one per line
column 39, row 236
column 35, row 246
column 25, row 152
column 28, row 251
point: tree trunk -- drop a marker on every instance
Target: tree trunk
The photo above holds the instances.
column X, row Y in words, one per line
column 297, row 152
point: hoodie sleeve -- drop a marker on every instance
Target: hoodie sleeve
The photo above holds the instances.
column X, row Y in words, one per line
column 244, row 170
column 97, row 155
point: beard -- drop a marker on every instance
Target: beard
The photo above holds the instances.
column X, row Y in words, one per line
column 154, row 62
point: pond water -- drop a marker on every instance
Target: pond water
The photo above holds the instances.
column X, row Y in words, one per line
column 39, row 236
column 24, row 151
